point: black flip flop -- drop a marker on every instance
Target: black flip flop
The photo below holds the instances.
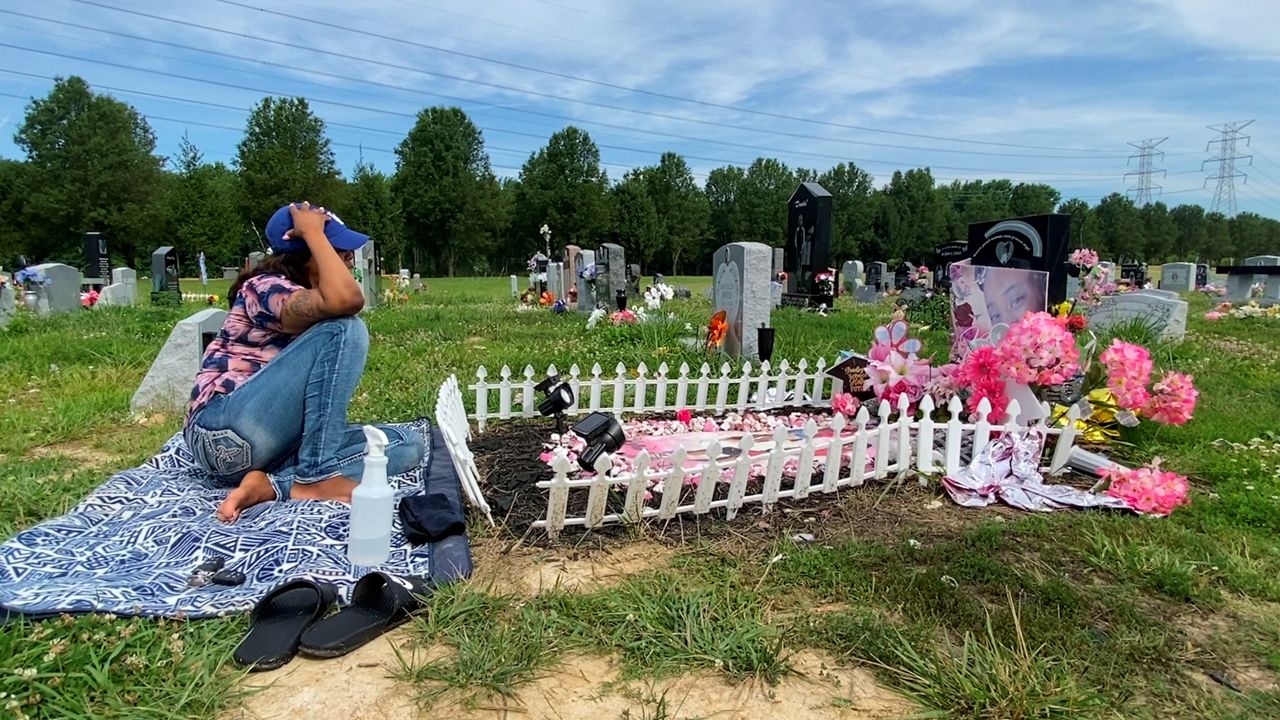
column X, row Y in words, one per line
column 278, row 621
column 380, row 601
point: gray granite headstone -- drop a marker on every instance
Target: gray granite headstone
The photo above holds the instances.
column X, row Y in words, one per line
column 611, row 261
column 741, row 269
column 123, row 289
column 1110, row 267
column 586, row 290
column 555, row 279
column 1073, row 287
column 1239, row 287
column 405, row 274
column 1178, row 277
column 1160, row 309
column 866, row 294
column 167, row 385
column 254, row 260
column 515, row 287
column 230, row 273
column 8, row 304
column 1271, row 283
column 366, row 262
column 851, row 276
column 779, row 260
column 63, row 290
column 417, row 282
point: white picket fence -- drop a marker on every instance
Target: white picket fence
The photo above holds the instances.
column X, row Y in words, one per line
column 640, row 392
column 451, row 418
column 897, row 442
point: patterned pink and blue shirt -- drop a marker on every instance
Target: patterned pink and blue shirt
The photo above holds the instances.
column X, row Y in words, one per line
column 250, row 337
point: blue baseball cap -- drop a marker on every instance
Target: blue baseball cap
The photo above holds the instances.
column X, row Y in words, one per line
column 340, row 236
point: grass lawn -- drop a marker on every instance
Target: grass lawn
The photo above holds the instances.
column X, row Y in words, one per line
column 994, row 615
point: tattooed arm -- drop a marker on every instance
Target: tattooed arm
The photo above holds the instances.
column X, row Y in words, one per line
column 336, row 293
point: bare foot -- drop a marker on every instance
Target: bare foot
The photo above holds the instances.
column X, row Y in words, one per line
column 335, row 488
column 254, row 488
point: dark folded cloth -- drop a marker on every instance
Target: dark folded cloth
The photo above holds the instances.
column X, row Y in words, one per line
column 436, row 513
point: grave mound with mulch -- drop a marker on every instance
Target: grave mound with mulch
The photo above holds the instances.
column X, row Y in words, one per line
column 507, row 458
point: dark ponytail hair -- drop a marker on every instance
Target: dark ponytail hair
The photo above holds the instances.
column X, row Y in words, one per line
column 292, row 265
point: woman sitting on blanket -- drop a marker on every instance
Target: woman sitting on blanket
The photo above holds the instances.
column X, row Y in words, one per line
column 268, row 415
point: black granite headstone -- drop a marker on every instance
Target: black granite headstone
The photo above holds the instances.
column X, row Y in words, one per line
column 164, row 276
column 873, row 276
column 943, row 256
column 1202, row 275
column 808, row 244
column 1134, row 273
column 1034, row 242
column 96, row 262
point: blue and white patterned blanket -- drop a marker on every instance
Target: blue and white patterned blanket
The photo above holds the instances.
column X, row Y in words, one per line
column 131, row 545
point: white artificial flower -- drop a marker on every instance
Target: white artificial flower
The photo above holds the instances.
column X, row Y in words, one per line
column 596, row 316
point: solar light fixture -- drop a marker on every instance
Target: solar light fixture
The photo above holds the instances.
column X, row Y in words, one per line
column 559, row 397
column 603, row 434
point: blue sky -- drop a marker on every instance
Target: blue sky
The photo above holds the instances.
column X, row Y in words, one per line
column 1034, row 91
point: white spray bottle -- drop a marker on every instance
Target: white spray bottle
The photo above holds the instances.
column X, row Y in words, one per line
column 372, row 505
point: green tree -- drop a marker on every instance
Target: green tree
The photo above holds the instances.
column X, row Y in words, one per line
column 1218, row 242
column 284, row 157
column 1033, row 199
column 1080, row 217
column 681, row 210
column 852, row 213
column 90, row 166
column 449, row 196
column 201, row 211
column 1119, row 228
column 13, row 239
column 761, row 204
column 913, row 219
column 372, row 208
column 724, row 185
column 1159, row 232
column 636, row 225
column 1191, row 231
column 563, row 186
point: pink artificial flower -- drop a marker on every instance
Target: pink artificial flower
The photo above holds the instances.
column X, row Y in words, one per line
column 623, row 317
column 1213, row 315
column 710, row 426
column 943, row 384
column 896, row 374
column 1084, row 257
column 845, row 404
column 1173, row 400
column 982, row 373
column 1128, row 373
column 684, row 416
column 1039, row 349
column 1148, row 490
column 1223, row 307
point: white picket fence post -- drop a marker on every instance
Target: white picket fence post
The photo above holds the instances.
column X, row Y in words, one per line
column 661, row 396
column 922, row 443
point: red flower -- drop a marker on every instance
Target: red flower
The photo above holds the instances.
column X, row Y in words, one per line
column 1076, row 323
column 717, row 330
column 685, row 416
column 964, row 316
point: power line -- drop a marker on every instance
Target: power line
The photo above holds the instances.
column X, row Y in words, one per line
column 1146, row 154
column 538, row 94
column 336, row 103
column 1224, row 198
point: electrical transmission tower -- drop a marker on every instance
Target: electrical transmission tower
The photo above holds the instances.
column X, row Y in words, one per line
column 1224, row 197
column 1146, row 157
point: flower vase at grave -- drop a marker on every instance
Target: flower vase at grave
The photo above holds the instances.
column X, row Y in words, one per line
column 765, row 343
column 620, row 299
column 31, row 300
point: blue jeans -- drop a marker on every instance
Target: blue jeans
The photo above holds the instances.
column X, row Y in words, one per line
column 290, row 419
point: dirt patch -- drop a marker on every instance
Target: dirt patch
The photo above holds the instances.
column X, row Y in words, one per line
column 1219, row 643
column 82, row 453
column 531, row 570
column 360, row 687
